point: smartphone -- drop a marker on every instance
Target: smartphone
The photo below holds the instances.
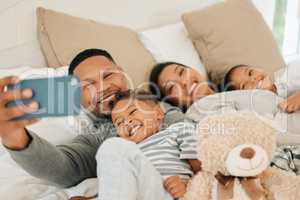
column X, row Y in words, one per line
column 57, row 97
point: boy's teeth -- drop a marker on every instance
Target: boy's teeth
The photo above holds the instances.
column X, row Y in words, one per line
column 133, row 131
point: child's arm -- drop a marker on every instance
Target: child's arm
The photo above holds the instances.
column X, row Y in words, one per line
column 175, row 186
column 291, row 104
column 187, row 144
column 195, row 165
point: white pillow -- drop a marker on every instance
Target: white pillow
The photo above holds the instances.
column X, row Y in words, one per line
column 25, row 72
column 172, row 43
column 55, row 130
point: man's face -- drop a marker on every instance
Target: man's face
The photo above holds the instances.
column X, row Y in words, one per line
column 247, row 78
column 136, row 120
column 100, row 79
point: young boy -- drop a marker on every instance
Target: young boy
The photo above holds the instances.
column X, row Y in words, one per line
column 147, row 162
column 286, row 84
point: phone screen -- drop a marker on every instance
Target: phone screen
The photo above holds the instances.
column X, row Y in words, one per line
column 57, row 97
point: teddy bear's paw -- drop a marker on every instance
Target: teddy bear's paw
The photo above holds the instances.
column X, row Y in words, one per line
column 287, row 190
column 281, row 185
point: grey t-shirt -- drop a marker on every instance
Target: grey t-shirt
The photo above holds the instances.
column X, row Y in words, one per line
column 262, row 102
column 68, row 165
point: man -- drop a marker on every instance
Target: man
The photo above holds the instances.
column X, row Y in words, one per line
column 67, row 165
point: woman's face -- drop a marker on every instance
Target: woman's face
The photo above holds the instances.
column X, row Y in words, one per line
column 183, row 85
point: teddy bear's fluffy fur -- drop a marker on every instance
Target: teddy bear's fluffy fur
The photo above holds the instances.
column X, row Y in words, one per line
column 218, row 135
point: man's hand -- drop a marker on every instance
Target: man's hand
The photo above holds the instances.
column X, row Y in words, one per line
column 13, row 133
column 175, row 186
column 291, row 104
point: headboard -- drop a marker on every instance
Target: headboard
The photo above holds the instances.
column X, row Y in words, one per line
column 18, row 41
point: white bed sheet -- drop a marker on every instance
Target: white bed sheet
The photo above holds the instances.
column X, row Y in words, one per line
column 16, row 184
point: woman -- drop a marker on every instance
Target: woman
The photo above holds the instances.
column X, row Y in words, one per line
column 182, row 86
column 178, row 84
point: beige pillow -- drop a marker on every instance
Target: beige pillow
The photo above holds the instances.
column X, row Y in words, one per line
column 232, row 33
column 62, row 37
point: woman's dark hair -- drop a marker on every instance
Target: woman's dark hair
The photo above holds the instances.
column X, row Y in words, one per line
column 154, row 76
column 87, row 54
column 227, row 83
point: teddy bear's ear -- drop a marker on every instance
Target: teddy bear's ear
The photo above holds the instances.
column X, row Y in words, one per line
column 223, row 124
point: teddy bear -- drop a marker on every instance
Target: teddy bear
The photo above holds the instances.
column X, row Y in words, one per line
column 236, row 150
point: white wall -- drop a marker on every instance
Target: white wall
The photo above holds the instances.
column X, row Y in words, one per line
column 267, row 7
column 18, row 42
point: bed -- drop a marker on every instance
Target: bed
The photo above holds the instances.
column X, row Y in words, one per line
column 20, row 54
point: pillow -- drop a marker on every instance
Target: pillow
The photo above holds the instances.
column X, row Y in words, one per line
column 171, row 43
column 62, row 37
column 26, row 72
column 232, row 33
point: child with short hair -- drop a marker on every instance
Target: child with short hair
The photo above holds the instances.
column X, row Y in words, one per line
column 285, row 85
column 147, row 162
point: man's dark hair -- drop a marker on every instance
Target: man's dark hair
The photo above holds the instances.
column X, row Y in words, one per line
column 141, row 95
column 87, row 54
column 227, row 83
column 154, row 76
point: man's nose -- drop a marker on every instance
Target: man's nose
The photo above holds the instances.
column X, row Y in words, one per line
column 102, row 85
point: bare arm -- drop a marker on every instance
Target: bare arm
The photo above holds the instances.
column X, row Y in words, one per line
column 291, row 104
column 195, row 165
column 175, row 186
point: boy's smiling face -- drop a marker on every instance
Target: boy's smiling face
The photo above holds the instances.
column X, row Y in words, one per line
column 136, row 120
column 246, row 78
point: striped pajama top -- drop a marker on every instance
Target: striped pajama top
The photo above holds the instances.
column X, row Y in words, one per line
column 170, row 149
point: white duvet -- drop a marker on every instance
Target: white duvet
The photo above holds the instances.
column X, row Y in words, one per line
column 16, row 184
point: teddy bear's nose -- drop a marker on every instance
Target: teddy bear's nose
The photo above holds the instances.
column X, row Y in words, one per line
column 247, row 153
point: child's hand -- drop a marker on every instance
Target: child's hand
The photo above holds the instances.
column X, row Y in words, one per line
column 175, row 186
column 291, row 104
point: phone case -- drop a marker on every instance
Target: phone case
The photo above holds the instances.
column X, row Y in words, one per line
column 57, row 97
